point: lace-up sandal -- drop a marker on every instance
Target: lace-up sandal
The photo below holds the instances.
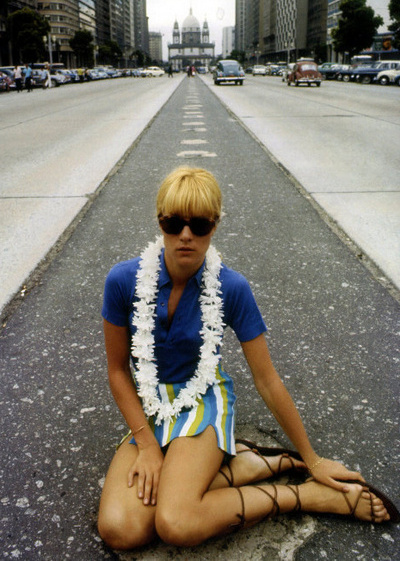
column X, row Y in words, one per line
column 387, row 503
column 265, row 451
column 242, row 517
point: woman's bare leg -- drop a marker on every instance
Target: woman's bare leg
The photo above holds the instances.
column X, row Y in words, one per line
column 248, row 467
column 124, row 522
column 188, row 513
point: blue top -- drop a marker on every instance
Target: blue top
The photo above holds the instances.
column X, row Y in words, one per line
column 177, row 345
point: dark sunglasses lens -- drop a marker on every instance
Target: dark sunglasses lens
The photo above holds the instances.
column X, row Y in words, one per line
column 175, row 224
column 201, row 226
column 172, row 224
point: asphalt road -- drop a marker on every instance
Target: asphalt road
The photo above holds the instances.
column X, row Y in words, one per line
column 333, row 334
column 341, row 143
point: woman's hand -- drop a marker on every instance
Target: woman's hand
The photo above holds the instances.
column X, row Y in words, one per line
column 148, row 469
column 331, row 473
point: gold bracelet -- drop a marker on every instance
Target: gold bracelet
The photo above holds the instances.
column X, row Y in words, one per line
column 139, row 429
column 316, row 464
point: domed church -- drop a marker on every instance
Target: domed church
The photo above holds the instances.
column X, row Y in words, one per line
column 192, row 46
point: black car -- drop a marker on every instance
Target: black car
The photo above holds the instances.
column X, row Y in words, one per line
column 228, row 71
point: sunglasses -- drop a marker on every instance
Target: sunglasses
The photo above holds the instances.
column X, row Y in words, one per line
column 199, row 225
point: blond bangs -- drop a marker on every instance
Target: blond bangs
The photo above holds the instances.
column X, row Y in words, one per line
column 189, row 192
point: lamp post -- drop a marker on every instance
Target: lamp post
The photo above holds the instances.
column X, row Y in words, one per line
column 49, row 41
column 257, row 55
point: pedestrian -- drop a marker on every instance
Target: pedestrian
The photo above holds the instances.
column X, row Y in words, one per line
column 28, row 78
column 170, row 73
column 18, row 78
column 180, row 474
column 193, row 70
column 46, row 79
column 81, row 74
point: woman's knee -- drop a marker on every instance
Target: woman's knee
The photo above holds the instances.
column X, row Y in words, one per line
column 120, row 530
column 177, row 527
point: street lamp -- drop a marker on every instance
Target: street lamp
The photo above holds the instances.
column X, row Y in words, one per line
column 257, row 54
column 49, row 41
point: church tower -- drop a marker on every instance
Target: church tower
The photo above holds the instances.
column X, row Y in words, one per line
column 176, row 36
column 205, row 33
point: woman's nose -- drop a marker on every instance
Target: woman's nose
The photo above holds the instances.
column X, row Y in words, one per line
column 186, row 232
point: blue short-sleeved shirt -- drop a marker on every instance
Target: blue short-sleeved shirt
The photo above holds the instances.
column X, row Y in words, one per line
column 177, row 345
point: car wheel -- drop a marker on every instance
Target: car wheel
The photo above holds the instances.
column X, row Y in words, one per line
column 397, row 81
column 384, row 80
column 288, row 82
column 346, row 78
column 366, row 80
column 339, row 77
column 296, row 83
column 318, row 84
column 240, row 82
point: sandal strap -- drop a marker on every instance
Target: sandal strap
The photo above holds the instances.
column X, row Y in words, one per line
column 275, row 511
column 230, row 478
column 283, row 456
column 296, row 492
column 242, row 517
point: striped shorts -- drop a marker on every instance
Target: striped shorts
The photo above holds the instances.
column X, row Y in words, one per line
column 216, row 408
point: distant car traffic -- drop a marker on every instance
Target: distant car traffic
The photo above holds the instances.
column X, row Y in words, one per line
column 304, row 72
column 228, row 71
column 152, row 71
column 259, row 70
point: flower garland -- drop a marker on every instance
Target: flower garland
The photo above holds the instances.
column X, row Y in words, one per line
column 143, row 340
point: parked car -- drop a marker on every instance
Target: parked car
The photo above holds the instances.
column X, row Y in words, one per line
column 385, row 77
column 330, row 72
column 228, row 71
column 259, row 70
column 8, row 77
column 304, row 72
column 58, row 78
column 152, row 71
column 367, row 74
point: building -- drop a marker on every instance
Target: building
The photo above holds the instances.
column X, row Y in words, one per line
column 192, row 45
column 63, row 17
column 228, row 41
column 155, row 46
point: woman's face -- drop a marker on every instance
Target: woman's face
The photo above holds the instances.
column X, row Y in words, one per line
column 185, row 252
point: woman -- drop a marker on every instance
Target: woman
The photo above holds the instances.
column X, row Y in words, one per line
column 180, row 475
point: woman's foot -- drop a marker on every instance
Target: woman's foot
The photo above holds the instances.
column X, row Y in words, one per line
column 358, row 502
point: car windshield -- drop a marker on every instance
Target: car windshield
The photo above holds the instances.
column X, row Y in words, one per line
column 308, row 66
column 230, row 66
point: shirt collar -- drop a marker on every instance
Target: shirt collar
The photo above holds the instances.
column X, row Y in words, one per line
column 165, row 279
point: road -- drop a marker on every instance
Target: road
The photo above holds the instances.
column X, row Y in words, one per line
column 341, row 143
column 57, row 146
column 333, row 335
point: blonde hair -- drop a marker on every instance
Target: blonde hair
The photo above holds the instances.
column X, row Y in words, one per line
column 190, row 192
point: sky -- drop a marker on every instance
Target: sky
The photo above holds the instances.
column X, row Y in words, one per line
column 163, row 13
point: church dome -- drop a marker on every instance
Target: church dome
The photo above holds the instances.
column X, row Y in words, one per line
column 191, row 23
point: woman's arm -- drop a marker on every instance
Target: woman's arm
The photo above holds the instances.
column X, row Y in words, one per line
column 149, row 462
column 277, row 398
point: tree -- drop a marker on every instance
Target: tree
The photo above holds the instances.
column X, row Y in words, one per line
column 394, row 12
column 240, row 56
column 26, row 29
column 356, row 28
column 82, row 45
column 110, row 53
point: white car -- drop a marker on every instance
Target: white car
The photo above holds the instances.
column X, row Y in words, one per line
column 260, row 70
column 153, row 71
column 386, row 77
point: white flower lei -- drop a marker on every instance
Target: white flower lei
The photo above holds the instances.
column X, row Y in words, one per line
column 143, row 340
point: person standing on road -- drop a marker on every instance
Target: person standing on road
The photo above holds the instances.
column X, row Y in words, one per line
column 28, row 78
column 170, row 73
column 180, row 474
column 46, row 79
column 18, row 78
